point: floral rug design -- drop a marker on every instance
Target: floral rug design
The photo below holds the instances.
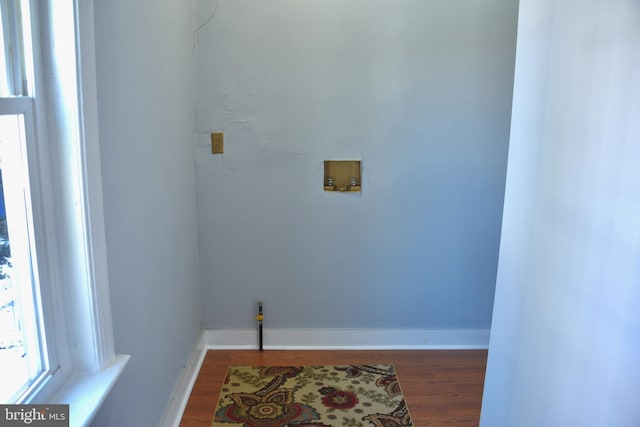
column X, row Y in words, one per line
column 311, row 396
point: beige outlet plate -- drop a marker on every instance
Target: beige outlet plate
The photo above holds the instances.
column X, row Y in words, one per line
column 217, row 142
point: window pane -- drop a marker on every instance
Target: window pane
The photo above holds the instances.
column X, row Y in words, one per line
column 4, row 74
column 16, row 68
column 21, row 353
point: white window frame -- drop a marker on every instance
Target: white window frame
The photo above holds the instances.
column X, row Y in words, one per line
column 68, row 170
column 35, row 225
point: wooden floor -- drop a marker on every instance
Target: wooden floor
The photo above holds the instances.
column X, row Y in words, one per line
column 440, row 387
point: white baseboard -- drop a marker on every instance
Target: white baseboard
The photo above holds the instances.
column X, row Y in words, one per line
column 180, row 396
column 317, row 339
column 347, row 339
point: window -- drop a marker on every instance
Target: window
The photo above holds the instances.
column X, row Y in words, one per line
column 24, row 359
column 16, row 63
column 53, row 248
column 23, row 355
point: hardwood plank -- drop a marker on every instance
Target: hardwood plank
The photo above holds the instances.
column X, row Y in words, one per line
column 441, row 387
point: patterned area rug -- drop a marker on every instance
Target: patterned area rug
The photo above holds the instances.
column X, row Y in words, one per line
column 311, row 396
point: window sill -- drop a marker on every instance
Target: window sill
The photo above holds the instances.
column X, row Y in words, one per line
column 86, row 393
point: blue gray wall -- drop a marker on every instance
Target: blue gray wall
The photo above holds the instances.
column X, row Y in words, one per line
column 420, row 92
column 565, row 339
column 145, row 103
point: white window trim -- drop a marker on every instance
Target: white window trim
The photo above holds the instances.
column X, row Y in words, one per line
column 69, row 120
column 25, row 106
